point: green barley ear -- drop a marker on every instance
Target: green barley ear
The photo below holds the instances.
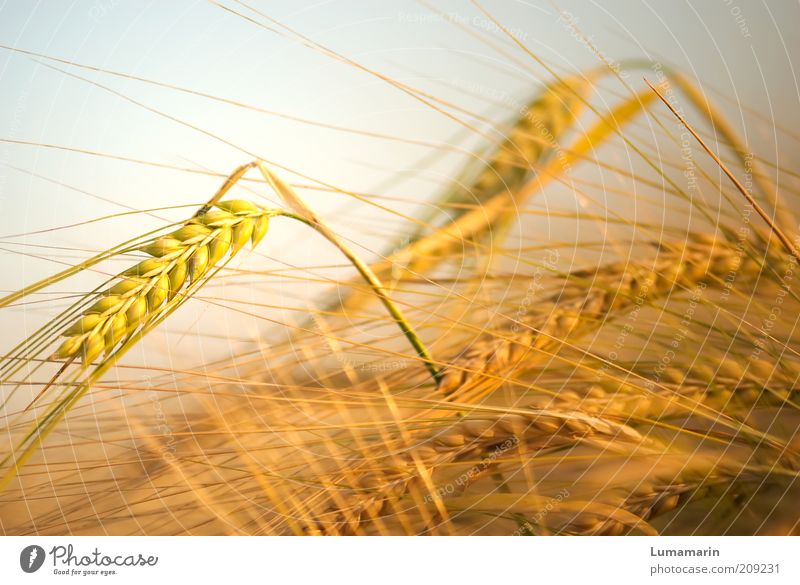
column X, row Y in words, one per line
column 177, row 260
column 183, row 258
column 149, row 291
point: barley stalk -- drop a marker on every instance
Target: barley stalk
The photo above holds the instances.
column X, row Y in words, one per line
column 531, row 140
column 301, row 208
column 657, row 498
column 723, row 386
column 783, row 216
column 471, row 227
column 540, row 429
column 614, row 288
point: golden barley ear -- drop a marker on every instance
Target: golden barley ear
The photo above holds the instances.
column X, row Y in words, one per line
column 467, row 439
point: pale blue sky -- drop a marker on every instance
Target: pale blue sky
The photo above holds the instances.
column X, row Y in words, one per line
column 198, row 45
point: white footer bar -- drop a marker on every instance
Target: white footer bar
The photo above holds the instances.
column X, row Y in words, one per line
column 406, row 560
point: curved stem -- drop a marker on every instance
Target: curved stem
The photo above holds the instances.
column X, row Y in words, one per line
column 302, row 212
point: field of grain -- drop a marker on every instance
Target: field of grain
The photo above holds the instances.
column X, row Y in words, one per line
column 585, row 323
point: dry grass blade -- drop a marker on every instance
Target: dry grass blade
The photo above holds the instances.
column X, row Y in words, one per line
column 783, row 215
column 779, row 233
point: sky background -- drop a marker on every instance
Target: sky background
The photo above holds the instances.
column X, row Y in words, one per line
column 743, row 52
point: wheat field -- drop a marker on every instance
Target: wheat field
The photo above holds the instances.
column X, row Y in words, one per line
column 586, row 325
